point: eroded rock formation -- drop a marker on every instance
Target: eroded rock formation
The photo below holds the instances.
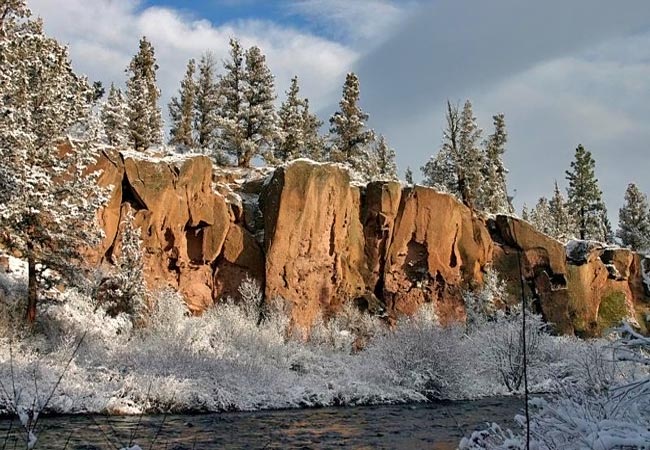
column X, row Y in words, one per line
column 312, row 238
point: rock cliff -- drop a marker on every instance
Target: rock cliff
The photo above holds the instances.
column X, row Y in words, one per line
column 312, row 238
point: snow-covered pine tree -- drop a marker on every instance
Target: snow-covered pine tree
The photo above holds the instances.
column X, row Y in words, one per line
column 634, row 220
column 585, row 202
column 145, row 120
column 114, row 116
column 349, row 136
column 231, row 102
column 441, row 171
column 525, row 214
column 408, row 176
column 560, row 219
column 291, row 117
column 540, row 217
column 259, row 118
column 386, row 168
column 314, row 142
column 470, row 158
column 207, row 107
column 181, row 110
column 495, row 191
column 47, row 201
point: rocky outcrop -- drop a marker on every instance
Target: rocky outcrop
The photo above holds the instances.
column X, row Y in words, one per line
column 437, row 250
column 306, row 234
column 314, row 239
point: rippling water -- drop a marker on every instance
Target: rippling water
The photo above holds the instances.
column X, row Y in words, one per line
column 422, row 426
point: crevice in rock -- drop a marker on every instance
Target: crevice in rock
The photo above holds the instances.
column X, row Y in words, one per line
column 130, row 196
column 453, row 259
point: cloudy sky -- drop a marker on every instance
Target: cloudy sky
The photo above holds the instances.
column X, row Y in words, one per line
column 564, row 72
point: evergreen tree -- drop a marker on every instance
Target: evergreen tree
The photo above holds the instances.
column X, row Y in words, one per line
column 441, row 171
column 207, row 107
column 634, row 220
column 350, row 137
column 181, row 110
column 495, row 199
column 585, row 202
column 114, row 116
column 231, row 134
column 259, row 118
column 386, row 169
column 313, row 141
column 470, row 157
column 291, row 119
column 408, row 176
column 540, row 217
column 560, row 220
column 525, row 214
column 145, row 120
column 47, row 202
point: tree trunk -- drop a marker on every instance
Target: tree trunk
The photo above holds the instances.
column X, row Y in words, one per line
column 32, row 288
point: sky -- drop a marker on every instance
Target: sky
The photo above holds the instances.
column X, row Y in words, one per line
column 564, row 72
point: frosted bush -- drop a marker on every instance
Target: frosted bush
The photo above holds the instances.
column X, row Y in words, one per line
column 486, row 303
column 500, row 350
column 349, row 329
column 424, row 357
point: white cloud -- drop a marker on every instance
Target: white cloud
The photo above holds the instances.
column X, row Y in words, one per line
column 365, row 22
column 103, row 35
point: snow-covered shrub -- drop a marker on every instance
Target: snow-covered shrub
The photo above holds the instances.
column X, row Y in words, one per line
column 124, row 291
column 606, row 407
column 486, row 303
column 499, row 345
column 422, row 356
column 349, row 329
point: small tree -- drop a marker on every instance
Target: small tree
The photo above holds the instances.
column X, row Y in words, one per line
column 291, row 119
column 231, row 99
column 585, row 198
column 540, row 217
column 386, row 168
column 313, row 141
column 145, row 121
column 114, row 116
column 634, row 220
column 408, row 176
column 47, row 201
column 560, row 219
column 470, row 157
column 181, row 110
column 441, row 171
column 349, row 135
column 495, row 192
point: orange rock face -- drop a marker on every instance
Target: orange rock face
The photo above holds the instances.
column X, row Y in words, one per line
column 326, row 242
column 314, row 239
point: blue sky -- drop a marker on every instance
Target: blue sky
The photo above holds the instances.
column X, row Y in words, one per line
column 562, row 72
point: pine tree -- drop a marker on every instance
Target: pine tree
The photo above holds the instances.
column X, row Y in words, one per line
column 145, row 120
column 350, row 137
column 313, row 141
column 495, row 198
column 291, row 117
column 540, row 217
column 525, row 214
column 408, row 176
column 259, row 118
column 585, row 198
column 441, row 171
column 47, row 202
column 386, row 169
column 231, row 90
column 207, row 107
column 470, row 157
column 114, row 116
column 634, row 220
column 559, row 216
column 181, row 110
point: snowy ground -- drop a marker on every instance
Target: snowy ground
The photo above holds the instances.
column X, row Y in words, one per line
column 225, row 360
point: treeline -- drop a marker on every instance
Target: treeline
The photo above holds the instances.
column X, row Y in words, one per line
column 231, row 115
